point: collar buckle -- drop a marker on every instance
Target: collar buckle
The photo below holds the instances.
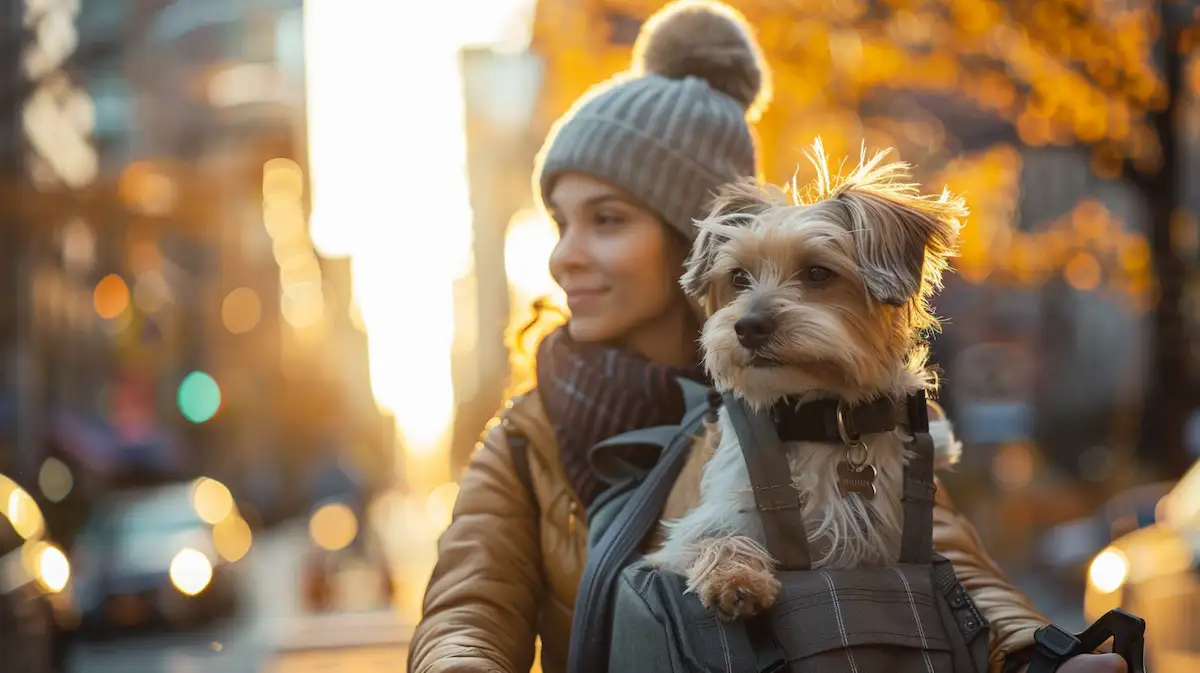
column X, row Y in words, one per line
column 849, row 437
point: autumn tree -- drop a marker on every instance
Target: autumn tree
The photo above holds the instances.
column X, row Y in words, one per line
column 957, row 86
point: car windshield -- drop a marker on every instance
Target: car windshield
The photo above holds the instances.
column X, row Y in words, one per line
column 154, row 519
column 151, row 515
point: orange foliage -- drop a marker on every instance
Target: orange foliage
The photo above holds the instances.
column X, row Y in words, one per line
column 1060, row 73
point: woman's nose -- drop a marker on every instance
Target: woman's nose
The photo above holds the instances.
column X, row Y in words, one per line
column 570, row 253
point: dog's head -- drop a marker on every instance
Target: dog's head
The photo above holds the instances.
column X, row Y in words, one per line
column 825, row 290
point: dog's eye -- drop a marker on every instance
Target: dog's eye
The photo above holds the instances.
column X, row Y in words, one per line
column 741, row 279
column 819, row 274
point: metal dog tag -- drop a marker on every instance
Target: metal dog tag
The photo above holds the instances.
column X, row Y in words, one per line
column 860, row 480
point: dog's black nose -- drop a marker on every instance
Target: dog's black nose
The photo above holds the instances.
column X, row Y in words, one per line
column 753, row 329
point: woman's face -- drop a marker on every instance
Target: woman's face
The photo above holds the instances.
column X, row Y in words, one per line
column 617, row 263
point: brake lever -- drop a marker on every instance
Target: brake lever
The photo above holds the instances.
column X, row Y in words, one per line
column 1128, row 632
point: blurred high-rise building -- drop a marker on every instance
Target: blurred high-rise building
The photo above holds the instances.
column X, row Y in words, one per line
column 166, row 303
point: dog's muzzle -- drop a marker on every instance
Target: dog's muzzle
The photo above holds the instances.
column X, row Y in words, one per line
column 754, row 329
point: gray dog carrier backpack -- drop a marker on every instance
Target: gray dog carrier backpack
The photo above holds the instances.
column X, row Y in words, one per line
column 913, row 617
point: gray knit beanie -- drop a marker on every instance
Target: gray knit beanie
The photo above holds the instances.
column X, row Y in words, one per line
column 674, row 128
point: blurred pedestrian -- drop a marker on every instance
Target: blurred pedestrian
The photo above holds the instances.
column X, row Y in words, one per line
column 623, row 174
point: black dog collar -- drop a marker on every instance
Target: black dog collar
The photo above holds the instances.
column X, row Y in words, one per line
column 834, row 421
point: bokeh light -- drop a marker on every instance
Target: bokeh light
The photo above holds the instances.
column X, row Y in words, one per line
column 333, row 526
column 232, row 538
column 1108, row 570
column 53, row 568
column 1013, row 465
column 111, row 296
column 241, row 310
column 55, row 480
column 199, row 397
column 190, row 571
column 1083, row 272
column 150, row 291
column 79, row 245
column 212, row 500
column 21, row 510
column 283, row 180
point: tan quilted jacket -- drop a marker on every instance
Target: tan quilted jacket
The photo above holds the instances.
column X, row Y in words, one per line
column 507, row 572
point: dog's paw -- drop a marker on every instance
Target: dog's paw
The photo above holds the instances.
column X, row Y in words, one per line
column 739, row 592
column 734, row 578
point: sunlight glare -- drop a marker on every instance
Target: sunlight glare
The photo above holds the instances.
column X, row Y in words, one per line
column 388, row 162
column 530, row 239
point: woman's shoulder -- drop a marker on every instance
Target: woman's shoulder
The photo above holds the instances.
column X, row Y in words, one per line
column 525, row 414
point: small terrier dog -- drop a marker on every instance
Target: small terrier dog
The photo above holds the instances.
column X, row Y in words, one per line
column 820, row 295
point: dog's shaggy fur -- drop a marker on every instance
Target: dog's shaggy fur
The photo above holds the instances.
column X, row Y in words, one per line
column 854, row 334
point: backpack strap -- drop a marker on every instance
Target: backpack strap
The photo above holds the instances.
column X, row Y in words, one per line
column 778, row 502
column 613, row 468
column 518, row 448
column 618, row 544
column 916, row 542
column 610, row 465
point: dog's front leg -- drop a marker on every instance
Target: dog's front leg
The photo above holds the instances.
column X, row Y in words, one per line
column 717, row 545
column 733, row 576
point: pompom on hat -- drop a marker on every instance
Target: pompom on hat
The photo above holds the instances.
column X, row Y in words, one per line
column 708, row 40
column 675, row 127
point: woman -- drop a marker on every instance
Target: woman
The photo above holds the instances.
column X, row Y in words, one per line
column 623, row 174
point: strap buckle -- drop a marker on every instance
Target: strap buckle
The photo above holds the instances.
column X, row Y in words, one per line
column 1055, row 643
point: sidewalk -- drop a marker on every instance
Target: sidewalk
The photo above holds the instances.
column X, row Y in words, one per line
column 345, row 641
column 410, row 541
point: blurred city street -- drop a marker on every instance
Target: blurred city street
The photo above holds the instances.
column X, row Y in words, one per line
column 268, row 577
column 269, row 268
column 272, row 633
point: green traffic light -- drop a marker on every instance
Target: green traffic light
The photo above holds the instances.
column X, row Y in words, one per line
column 199, row 397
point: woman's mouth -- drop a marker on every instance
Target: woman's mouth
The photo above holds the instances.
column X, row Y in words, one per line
column 580, row 300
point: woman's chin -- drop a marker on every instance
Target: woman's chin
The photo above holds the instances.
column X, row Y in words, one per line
column 592, row 329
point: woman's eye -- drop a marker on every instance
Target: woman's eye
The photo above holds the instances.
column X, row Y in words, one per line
column 819, row 274
column 741, row 279
column 609, row 220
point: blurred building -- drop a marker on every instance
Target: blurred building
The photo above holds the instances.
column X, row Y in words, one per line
column 167, row 307
column 12, row 354
column 500, row 91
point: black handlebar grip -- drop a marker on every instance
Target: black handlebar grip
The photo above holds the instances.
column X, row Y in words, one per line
column 1128, row 632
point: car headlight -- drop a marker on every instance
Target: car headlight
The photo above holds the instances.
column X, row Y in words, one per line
column 53, row 569
column 190, row 571
column 1108, row 571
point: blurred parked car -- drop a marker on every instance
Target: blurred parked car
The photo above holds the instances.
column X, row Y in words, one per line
column 1154, row 572
column 160, row 556
column 346, row 567
column 1065, row 550
column 33, row 574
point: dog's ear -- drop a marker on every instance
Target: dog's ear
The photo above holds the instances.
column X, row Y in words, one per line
column 697, row 270
column 901, row 240
column 735, row 205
